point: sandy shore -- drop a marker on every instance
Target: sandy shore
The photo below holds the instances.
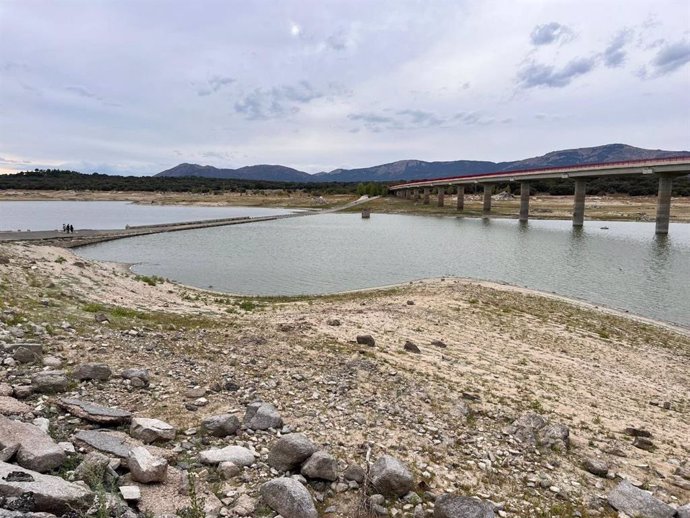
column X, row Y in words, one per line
column 443, row 411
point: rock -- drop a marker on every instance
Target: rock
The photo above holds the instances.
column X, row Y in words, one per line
column 245, row 505
column 456, row 506
column 130, row 493
column 6, row 389
column 229, row 469
column 151, row 430
column 8, row 452
column 146, row 468
column 52, row 361
column 390, row 477
column 221, row 425
column 48, row 382
column 101, row 318
column 95, row 413
column 596, row 467
column 289, row 498
column 644, row 443
column 12, row 406
column 23, row 391
column 50, row 494
column 637, row 432
column 37, row 451
column 321, row 465
column 92, row 469
column 238, row 455
column 412, row 348
column 684, row 511
column 105, row 442
column 410, row 302
column 636, row 502
column 291, row 450
column 93, row 371
column 26, row 355
column 439, row 343
column 333, row 322
column 138, row 377
column 262, row 416
column 355, row 473
column 366, row 340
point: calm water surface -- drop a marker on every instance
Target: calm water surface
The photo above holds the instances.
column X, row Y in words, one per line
column 101, row 215
column 624, row 267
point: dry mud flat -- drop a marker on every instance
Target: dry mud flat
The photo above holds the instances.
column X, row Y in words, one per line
column 459, row 413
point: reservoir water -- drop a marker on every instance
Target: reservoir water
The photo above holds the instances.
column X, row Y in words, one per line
column 624, row 266
column 101, row 215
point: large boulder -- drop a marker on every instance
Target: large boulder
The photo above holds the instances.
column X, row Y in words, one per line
column 390, row 477
column 51, row 494
column 321, row 465
column 92, row 371
column 151, row 430
column 146, row 468
column 238, row 455
column 49, row 382
column 684, row 511
column 636, row 502
column 455, row 506
column 289, row 498
column 95, row 413
column 221, row 425
column 37, row 451
column 12, row 406
column 262, row 416
column 290, row 451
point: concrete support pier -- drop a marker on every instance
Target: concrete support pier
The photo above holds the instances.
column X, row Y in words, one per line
column 579, row 204
column 663, row 204
column 461, row 197
column 524, row 201
column 441, row 196
column 426, row 197
column 488, row 191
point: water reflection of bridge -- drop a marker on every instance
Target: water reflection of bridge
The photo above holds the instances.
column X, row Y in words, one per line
column 666, row 169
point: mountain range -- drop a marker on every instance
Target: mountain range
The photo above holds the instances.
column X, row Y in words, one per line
column 418, row 169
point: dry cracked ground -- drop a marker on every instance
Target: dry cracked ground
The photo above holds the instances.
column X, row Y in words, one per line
column 454, row 365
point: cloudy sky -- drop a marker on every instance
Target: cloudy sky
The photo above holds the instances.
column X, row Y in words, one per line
column 138, row 86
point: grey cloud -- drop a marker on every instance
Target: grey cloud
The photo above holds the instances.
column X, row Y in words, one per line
column 549, row 33
column 215, row 84
column 7, row 161
column 671, row 57
column 614, row 54
column 416, row 119
column 276, row 102
column 82, row 92
column 535, row 74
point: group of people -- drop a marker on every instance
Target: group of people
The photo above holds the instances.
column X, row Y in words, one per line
column 66, row 227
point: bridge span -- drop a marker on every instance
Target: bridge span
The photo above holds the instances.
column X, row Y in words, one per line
column 666, row 169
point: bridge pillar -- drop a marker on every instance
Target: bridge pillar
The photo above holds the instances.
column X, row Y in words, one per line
column 663, row 203
column 441, row 196
column 461, row 197
column 524, row 201
column 488, row 191
column 426, row 197
column 579, row 203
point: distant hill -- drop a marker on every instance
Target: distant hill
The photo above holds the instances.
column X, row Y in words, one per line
column 418, row 169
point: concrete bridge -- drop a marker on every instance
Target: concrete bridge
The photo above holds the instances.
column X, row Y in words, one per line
column 666, row 169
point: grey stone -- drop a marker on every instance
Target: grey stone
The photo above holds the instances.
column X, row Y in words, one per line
column 130, row 493
column 456, row 506
column 37, row 451
column 684, row 511
column 93, row 371
column 238, row 455
column 637, row 502
column 105, row 442
column 151, row 430
column 95, row 413
column 289, row 498
column 221, row 425
column 48, row 382
column 229, row 469
column 51, row 494
column 321, row 465
column 12, row 406
column 644, row 443
column 366, row 340
column 145, row 467
column 390, row 477
column 596, row 467
column 140, row 377
column 262, row 416
column 535, row 430
column 411, row 347
column 291, row 450
column 354, row 472
column 93, row 468
column 101, row 318
column 26, row 355
column 8, row 452
column 439, row 343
